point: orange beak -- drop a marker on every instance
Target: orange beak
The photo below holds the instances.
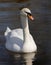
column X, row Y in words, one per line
column 31, row 17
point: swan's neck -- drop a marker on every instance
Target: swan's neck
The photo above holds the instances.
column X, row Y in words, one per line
column 24, row 21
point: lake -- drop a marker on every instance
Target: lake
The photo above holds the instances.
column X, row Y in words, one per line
column 40, row 28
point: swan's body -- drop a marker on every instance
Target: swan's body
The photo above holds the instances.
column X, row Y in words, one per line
column 20, row 40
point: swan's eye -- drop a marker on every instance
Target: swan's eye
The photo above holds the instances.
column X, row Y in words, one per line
column 28, row 13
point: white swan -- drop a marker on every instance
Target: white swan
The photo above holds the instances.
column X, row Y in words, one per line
column 20, row 40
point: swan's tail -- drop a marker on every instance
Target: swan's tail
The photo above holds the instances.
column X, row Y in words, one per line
column 7, row 31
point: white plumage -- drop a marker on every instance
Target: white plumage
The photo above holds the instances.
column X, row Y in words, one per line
column 20, row 40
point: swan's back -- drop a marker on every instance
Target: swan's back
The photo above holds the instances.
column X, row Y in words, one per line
column 14, row 40
column 17, row 33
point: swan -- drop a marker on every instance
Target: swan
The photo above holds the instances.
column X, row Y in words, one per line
column 20, row 40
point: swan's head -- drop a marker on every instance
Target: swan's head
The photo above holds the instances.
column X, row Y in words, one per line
column 26, row 12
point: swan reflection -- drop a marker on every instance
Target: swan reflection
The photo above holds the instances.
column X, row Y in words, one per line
column 20, row 58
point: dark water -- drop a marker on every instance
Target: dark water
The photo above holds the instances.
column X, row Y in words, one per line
column 40, row 28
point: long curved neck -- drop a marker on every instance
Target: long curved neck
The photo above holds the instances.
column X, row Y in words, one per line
column 24, row 21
